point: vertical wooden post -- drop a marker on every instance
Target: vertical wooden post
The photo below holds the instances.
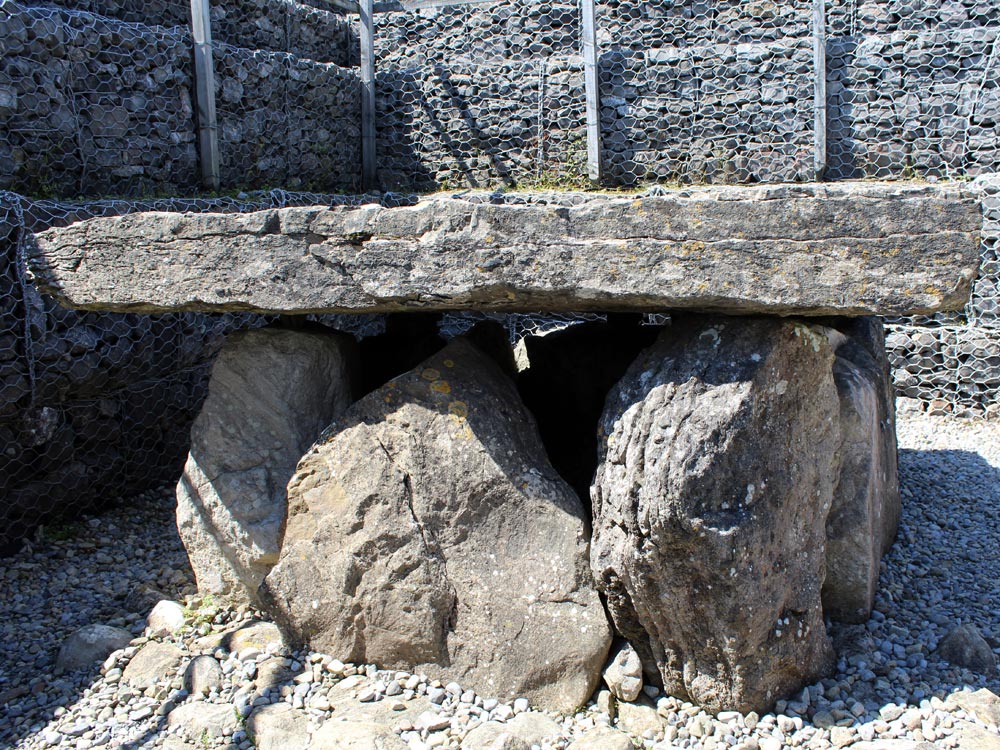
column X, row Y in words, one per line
column 368, row 165
column 204, row 81
column 593, row 89
column 819, row 104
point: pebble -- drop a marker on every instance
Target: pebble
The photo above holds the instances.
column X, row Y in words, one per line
column 890, row 683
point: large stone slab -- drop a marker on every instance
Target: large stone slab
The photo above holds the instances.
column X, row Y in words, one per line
column 427, row 531
column 845, row 248
column 710, row 499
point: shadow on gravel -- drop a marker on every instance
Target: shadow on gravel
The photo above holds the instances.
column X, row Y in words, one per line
column 108, row 569
column 941, row 572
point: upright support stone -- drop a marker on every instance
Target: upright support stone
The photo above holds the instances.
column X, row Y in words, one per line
column 716, row 476
column 866, row 502
column 271, row 394
column 428, row 532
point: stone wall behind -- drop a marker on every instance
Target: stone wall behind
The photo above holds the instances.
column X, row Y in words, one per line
column 94, row 102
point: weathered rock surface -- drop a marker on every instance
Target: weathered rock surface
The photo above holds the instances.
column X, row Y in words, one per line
column 716, row 474
column 983, row 704
column 623, row 673
column 602, row 739
column 271, row 394
column 90, row 645
column 152, row 663
column 165, row 618
column 426, row 531
column 277, row 727
column 200, row 721
column 530, row 727
column 866, row 503
column 355, row 735
column 845, row 248
column 202, row 674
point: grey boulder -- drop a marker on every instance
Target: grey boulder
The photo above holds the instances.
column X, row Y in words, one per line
column 152, row 663
column 623, row 673
column 427, row 532
column 715, row 479
column 277, row 727
column 271, row 393
column 964, row 646
column 90, row 645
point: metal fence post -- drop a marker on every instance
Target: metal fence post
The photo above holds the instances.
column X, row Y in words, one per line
column 819, row 105
column 204, row 81
column 368, row 165
column 592, row 84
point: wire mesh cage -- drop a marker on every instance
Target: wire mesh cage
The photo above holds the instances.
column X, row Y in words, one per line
column 476, row 96
column 697, row 92
column 914, row 88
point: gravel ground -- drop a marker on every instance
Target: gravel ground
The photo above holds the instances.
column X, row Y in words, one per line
column 891, row 689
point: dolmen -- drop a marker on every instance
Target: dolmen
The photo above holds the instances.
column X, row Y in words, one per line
column 711, row 490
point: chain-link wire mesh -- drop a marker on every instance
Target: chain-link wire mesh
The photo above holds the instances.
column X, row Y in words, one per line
column 97, row 97
column 93, row 406
column 697, row 92
column 480, row 96
column 914, row 88
column 91, row 105
column 950, row 363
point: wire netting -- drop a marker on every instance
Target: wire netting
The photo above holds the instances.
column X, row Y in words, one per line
column 476, row 97
column 96, row 406
column 92, row 105
column 698, row 92
column 914, row 88
column 97, row 97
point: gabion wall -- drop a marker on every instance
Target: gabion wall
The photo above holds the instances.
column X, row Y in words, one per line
column 691, row 92
column 914, row 88
column 950, row 363
column 476, row 97
column 97, row 98
column 706, row 92
column 94, row 407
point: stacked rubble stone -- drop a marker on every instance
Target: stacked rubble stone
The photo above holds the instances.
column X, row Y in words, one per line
column 97, row 98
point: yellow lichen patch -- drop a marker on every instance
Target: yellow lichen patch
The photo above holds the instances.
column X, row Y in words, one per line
column 460, row 428
column 441, row 386
column 448, row 363
column 458, row 409
column 430, row 374
column 694, row 246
